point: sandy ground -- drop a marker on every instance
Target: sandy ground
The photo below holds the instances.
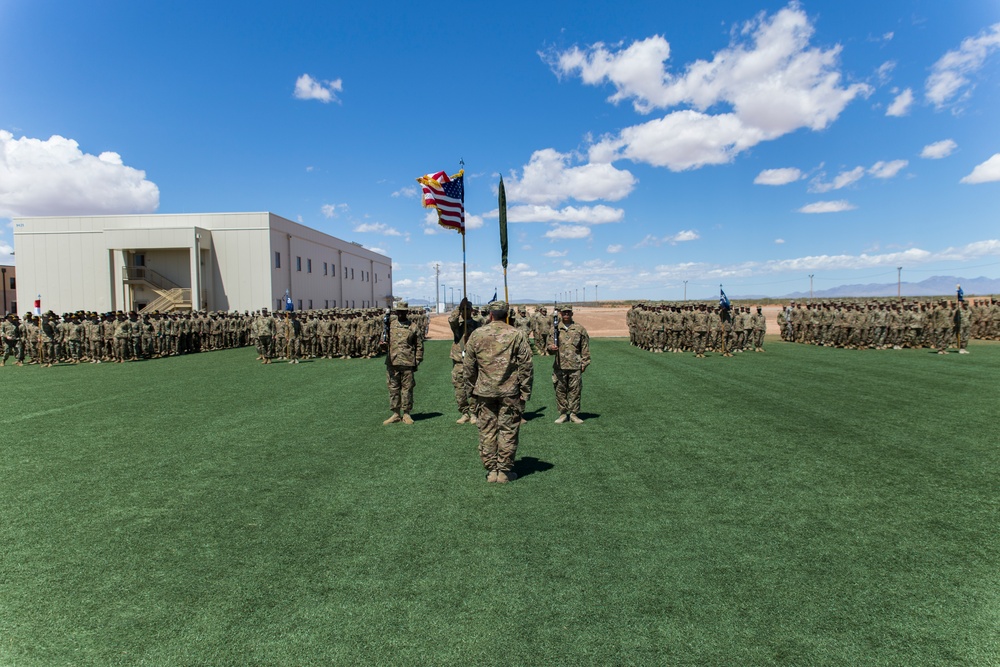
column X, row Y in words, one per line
column 600, row 322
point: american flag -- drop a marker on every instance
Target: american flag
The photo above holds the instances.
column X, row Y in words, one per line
column 447, row 195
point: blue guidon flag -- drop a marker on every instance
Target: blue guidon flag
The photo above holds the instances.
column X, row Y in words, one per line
column 960, row 292
column 288, row 301
column 723, row 299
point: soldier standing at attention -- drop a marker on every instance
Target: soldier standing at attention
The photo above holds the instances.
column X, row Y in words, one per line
column 498, row 373
column 572, row 358
column 404, row 352
column 462, row 325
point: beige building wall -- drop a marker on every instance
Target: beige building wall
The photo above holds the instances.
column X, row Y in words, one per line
column 8, row 302
column 228, row 260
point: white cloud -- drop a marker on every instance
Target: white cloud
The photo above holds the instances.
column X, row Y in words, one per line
column 5, row 251
column 772, row 82
column 380, row 251
column 938, row 149
column 782, row 176
column 987, row 172
column 408, row 191
column 828, row 207
column 887, row 169
column 568, row 232
column 473, row 221
column 673, row 239
column 779, row 241
column 884, row 71
column 587, row 215
column 333, row 210
column 548, row 179
column 376, row 228
column 308, row 88
column 615, row 248
column 901, row 105
column 431, row 225
column 842, row 180
column 556, row 253
column 54, row 177
column 950, row 74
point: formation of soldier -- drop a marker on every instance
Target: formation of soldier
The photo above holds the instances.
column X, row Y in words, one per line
column 696, row 328
column 88, row 337
column 889, row 324
column 346, row 333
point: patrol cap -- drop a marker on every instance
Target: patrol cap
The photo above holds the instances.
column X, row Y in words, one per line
column 402, row 305
column 498, row 306
column 566, row 308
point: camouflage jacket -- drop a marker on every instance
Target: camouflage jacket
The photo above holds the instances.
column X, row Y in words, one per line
column 460, row 328
column 498, row 362
column 574, row 348
column 406, row 345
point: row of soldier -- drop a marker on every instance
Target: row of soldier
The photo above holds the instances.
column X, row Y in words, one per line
column 881, row 324
column 696, row 328
column 118, row 337
column 324, row 334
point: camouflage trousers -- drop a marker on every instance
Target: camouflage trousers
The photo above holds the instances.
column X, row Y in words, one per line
column 499, row 420
column 13, row 347
column 463, row 398
column 401, row 381
column 569, row 387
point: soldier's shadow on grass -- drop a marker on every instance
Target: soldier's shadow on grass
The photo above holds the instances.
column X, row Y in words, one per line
column 528, row 465
column 421, row 416
column 586, row 416
column 534, row 414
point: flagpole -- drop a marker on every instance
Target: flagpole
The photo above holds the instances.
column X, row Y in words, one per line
column 502, row 212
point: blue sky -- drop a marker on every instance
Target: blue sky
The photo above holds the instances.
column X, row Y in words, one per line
column 642, row 145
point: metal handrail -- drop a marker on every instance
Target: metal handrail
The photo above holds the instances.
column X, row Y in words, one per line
column 149, row 275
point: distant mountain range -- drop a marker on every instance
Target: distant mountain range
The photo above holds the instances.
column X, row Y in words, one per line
column 933, row 286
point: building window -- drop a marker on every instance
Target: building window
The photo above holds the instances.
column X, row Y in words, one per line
column 326, row 303
column 334, row 303
column 345, row 271
column 298, row 263
column 376, row 278
column 309, row 266
column 279, row 306
column 277, row 259
column 13, row 285
column 333, row 270
column 352, row 278
column 13, row 306
column 310, row 304
column 324, row 268
column 140, row 259
column 300, row 304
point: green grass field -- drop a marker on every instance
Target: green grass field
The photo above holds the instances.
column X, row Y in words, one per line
column 801, row 507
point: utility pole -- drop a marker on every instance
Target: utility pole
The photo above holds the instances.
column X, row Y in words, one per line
column 685, row 290
column 595, row 293
column 899, row 282
column 811, row 286
column 437, row 288
column 585, row 294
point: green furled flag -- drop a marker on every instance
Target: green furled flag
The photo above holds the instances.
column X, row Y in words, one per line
column 503, row 225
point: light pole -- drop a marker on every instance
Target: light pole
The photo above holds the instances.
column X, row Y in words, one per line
column 685, row 290
column 595, row 293
column 811, row 286
column 585, row 294
column 899, row 282
column 451, row 291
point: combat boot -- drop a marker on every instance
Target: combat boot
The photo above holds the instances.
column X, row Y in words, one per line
column 562, row 419
column 392, row 420
column 472, row 419
column 504, row 477
column 463, row 420
column 492, row 476
column 573, row 418
column 407, row 419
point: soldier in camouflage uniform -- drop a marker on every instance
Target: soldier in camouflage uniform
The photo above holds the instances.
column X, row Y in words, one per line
column 498, row 373
column 572, row 358
column 462, row 325
column 404, row 352
column 10, row 337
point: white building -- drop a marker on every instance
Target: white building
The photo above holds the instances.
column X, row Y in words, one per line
column 211, row 261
